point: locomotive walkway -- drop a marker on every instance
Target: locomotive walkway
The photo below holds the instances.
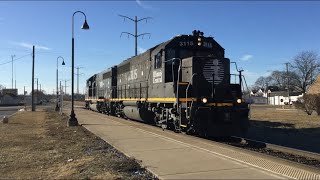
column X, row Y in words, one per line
column 175, row 156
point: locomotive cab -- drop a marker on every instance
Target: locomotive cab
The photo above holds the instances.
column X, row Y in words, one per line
column 216, row 108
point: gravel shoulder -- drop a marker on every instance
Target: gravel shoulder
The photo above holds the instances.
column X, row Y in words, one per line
column 39, row 145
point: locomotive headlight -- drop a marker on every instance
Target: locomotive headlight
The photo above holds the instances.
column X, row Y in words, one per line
column 239, row 101
column 204, row 100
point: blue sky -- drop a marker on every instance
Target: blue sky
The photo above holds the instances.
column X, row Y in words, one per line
column 259, row 35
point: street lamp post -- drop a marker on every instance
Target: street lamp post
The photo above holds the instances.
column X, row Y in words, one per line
column 57, row 105
column 73, row 120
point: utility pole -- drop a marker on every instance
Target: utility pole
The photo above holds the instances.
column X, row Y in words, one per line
column 37, row 91
column 61, row 98
column 135, row 35
column 78, row 78
column 65, row 86
column 15, row 78
column 32, row 93
column 40, row 93
column 37, row 85
column 12, row 56
column 288, row 82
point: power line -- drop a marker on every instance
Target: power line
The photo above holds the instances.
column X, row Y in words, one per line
column 15, row 59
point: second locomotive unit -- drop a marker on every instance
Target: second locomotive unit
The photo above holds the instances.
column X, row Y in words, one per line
column 182, row 84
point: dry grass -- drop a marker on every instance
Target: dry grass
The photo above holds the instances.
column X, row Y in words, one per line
column 298, row 118
column 287, row 127
column 39, row 145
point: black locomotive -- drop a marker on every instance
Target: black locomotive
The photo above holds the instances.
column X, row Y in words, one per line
column 182, row 84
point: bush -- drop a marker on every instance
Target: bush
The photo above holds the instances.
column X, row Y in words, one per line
column 317, row 99
column 309, row 103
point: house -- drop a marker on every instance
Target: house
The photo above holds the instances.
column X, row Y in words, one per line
column 282, row 97
column 258, row 93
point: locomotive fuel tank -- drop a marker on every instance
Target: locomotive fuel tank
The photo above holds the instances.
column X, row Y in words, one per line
column 139, row 114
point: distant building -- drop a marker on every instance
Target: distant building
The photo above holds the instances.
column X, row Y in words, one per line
column 10, row 92
column 8, row 100
column 282, row 98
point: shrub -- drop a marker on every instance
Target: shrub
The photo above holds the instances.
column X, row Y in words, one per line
column 317, row 99
column 308, row 103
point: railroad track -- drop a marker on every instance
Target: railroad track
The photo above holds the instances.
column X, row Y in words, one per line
column 291, row 154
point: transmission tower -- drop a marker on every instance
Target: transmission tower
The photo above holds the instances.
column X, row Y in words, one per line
column 135, row 35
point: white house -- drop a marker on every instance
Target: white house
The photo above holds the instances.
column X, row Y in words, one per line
column 282, row 98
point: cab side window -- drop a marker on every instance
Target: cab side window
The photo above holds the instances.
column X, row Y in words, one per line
column 158, row 60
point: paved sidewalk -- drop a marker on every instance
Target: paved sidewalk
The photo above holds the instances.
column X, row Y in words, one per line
column 165, row 157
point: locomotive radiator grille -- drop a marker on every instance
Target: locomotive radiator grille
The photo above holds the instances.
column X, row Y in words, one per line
column 213, row 66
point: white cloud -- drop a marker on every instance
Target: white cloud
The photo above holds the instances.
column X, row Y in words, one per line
column 143, row 5
column 246, row 57
column 30, row 46
column 141, row 50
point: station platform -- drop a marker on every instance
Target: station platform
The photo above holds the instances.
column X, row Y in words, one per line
column 170, row 155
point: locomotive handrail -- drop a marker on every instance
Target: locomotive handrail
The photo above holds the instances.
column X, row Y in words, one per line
column 236, row 66
column 187, row 94
column 177, row 92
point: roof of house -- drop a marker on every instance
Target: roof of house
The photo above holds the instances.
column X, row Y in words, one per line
column 278, row 93
column 314, row 87
column 283, row 93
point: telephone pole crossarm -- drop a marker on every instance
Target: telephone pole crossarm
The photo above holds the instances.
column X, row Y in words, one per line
column 146, row 18
column 127, row 33
column 144, row 34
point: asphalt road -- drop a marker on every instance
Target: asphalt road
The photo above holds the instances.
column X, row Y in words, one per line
column 9, row 110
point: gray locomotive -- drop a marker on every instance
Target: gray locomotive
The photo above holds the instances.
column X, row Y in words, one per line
column 182, row 84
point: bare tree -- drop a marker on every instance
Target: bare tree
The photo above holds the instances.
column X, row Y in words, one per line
column 263, row 82
column 279, row 79
column 306, row 66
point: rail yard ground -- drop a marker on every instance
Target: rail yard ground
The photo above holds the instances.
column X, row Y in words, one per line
column 40, row 145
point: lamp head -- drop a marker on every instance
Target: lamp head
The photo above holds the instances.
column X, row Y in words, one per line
column 63, row 63
column 85, row 25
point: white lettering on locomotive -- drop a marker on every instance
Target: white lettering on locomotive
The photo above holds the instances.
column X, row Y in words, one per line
column 207, row 44
column 133, row 74
column 186, row 43
column 101, row 84
column 157, row 77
